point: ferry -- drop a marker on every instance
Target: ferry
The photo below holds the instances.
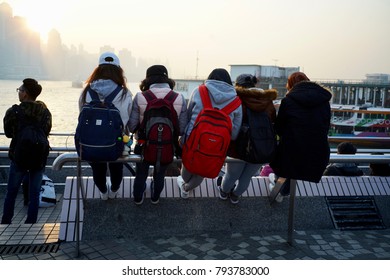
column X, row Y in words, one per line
column 365, row 126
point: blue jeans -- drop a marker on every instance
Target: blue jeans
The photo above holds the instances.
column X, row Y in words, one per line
column 241, row 171
column 99, row 173
column 141, row 174
column 15, row 179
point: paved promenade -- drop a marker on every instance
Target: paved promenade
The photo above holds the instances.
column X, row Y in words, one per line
column 39, row 242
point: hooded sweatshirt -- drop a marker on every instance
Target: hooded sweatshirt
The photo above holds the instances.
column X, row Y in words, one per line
column 122, row 101
column 221, row 94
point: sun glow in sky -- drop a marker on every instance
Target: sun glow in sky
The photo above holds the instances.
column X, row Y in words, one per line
column 328, row 39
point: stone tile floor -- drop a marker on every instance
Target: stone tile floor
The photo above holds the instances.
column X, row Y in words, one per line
column 308, row 245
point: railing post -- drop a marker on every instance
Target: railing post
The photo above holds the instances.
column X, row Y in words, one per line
column 290, row 230
column 79, row 189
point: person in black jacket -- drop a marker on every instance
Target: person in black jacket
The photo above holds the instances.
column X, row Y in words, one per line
column 344, row 168
column 302, row 124
column 37, row 112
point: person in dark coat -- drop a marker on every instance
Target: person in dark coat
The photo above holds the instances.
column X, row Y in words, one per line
column 344, row 168
column 302, row 124
column 36, row 111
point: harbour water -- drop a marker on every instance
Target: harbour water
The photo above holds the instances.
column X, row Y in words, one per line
column 61, row 99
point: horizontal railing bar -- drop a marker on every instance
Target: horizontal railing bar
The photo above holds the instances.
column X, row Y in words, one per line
column 357, row 158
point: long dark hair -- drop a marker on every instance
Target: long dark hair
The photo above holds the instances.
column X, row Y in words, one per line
column 157, row 79
column 107, row 72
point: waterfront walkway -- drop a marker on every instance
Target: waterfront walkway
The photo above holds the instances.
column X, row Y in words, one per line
column 40, row 241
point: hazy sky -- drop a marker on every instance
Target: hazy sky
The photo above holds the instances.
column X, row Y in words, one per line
column 328, row 39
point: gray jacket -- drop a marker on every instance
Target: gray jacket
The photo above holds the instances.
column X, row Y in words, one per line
column 221, row 94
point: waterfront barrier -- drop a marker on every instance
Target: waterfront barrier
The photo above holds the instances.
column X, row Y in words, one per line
column 79, row 188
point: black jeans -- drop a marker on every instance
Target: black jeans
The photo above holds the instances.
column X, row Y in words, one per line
column 141, row 174
column 99, row 172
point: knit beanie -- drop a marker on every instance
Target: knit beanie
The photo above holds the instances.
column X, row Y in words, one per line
column 246, row 80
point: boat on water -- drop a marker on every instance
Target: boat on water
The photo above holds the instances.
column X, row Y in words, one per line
column 365, row 126
column 77, row 84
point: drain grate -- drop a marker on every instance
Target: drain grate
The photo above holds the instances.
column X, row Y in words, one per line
column 29, row 249
column 354, row 213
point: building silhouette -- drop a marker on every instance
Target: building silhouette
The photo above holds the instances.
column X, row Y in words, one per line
column 23, row 54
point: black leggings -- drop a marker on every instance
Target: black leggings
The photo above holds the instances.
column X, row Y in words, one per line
column 99, row 172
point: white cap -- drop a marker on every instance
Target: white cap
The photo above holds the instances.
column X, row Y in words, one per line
column 109, row 58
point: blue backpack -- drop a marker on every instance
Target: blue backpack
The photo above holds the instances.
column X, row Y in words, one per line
column 100, row 128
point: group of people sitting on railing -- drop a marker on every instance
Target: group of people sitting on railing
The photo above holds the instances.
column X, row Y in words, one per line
column 300, row 127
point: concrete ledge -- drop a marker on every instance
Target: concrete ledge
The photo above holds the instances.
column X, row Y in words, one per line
column 121, row 218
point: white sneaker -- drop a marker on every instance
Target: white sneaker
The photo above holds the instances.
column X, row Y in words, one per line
column 271, row 178
column 112, row 195
column 180, row 182
column 104, row 196
column 271, row 186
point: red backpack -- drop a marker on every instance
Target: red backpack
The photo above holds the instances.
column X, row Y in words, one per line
column 205, row 150
column 159, row 129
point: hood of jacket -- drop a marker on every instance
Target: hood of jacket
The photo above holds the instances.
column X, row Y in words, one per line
column 309, row 94
column 256, row 99
column 220, row 92
column 103, row 87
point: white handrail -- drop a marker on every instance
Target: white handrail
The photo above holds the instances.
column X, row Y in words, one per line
column 64, row 158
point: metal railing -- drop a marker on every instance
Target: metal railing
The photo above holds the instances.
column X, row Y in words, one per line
column 357, row 158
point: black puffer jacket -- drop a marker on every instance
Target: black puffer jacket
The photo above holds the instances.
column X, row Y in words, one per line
column 257, row 100
column 34, row 111
column 343, row 169
column 302, row 124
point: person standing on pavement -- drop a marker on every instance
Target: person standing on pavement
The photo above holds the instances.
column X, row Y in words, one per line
column 37, row 112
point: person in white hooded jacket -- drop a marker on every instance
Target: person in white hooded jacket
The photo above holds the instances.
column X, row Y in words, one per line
column 159, row 83
column 222, row 92
column 104, row 80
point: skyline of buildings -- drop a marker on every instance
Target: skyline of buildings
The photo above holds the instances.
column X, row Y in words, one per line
column 23, row 54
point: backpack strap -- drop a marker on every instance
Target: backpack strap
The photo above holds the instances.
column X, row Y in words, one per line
column 171, row 96
column 232, row 105
column 113, row 94
column 149, row 95
column 95, row 97
column 204, row 95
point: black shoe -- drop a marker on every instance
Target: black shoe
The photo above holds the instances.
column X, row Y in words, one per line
column 222, row 195
column 155, row 201
column 139, row 201
column 233, row 198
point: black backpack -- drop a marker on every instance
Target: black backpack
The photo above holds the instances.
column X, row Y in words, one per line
column 256, row 141
column 100, row 129
column 32, row 146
